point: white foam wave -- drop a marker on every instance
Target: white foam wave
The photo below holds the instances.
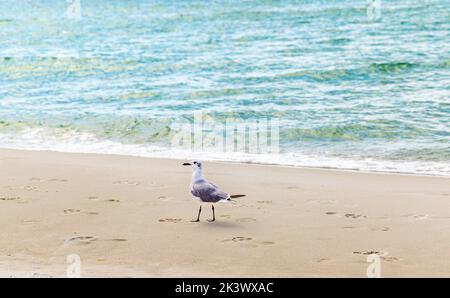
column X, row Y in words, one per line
column 74, row 142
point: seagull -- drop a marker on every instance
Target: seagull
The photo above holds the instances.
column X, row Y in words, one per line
column 206, row 191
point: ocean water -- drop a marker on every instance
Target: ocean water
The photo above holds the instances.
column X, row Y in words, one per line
column 348, row 91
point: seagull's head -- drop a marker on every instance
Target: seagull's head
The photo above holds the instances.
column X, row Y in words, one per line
column 196, row 164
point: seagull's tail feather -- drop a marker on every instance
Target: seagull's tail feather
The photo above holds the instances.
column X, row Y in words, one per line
column 237, row 196
column 234, row 197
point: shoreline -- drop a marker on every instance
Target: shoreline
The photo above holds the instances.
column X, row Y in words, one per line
column 306, row 167
column 130, row 216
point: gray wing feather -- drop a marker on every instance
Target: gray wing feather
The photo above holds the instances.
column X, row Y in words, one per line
column 208, row 192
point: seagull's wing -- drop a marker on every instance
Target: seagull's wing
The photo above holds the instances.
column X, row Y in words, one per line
column 208, row 192
column 213, row 185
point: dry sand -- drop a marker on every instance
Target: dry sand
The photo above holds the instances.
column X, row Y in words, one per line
column 130, row 216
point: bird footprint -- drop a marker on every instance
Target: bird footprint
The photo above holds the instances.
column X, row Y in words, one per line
column 382, row 254
column 81, row 240
column 238, row 239
column 9, row 198
column 174, row 220
column 248, row 241
column 354, row 216
column 126, row 182
column 119, row 240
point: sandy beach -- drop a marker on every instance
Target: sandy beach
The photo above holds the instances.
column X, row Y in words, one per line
column 130, row 216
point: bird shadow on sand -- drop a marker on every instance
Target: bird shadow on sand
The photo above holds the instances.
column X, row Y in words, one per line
column 221, row 224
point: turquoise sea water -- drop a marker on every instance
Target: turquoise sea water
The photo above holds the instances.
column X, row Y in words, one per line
column 348, row 91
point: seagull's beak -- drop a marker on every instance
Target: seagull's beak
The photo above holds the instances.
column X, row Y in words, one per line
column 187, row 164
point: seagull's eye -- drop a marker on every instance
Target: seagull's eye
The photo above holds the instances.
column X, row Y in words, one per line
column 195, row 162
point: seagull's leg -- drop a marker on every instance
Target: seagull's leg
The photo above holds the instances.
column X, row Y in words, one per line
column 214, row 216
column 198, row 217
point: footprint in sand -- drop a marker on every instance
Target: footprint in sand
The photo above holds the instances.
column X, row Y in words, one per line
column 390, row 259
column 246, row 219
column 85, row 240
column 354, row 216
column 78, row 211
column 330, row 213
column 382, row 229
column 420, row 216
column 384, row 255
column 9, row 198
column 58, row 180
column 113, row 201
column 264, row 202
column 92, row 198
column 238, row 239
column 323, row 260
column 127, row 182
column 369, row 252
column 248, row 241
column 119, row 240
column 29, row 188
column 163, row 198
column 37, row 179
column 174, row 220
column 225, row 216
column 266, row 242
column 30, row 221
column 417, row 216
